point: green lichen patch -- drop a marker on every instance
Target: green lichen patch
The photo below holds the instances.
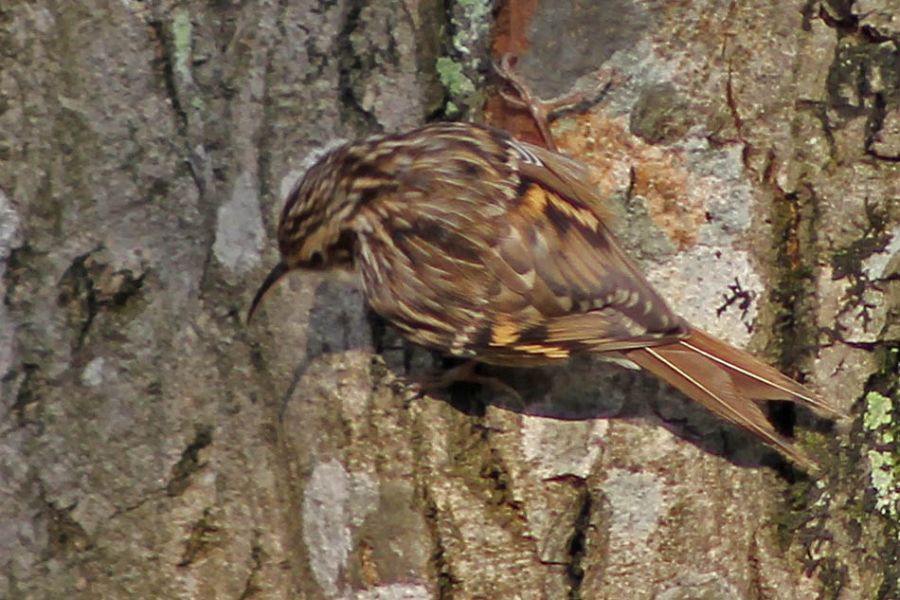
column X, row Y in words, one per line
column 884, row 456
column 182, row 35
column 878, row 411
column 453, row 77
column 461, row 70
column 472, row 22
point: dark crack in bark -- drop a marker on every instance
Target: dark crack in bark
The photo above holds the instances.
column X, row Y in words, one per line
column 90, row 285
column 166, row 70
column 793, row 295
column 350, row 64
column 64, row 534
column 444, row 574
column 190, row 463
column 251, row 587
column 847, row 263
column 578, row 544
column 205, row 535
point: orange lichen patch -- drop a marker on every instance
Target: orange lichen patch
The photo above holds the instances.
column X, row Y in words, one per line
column 604, row 145
column 675, row 198
column 674, row 205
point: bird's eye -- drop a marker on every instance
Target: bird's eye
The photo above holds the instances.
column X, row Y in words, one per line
column 316, row 260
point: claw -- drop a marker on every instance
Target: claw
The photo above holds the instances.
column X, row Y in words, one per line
column 524, row 99
column 464, row 373
column 543, row 112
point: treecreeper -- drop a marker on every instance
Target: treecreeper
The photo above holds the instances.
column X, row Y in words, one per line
column 485, row 247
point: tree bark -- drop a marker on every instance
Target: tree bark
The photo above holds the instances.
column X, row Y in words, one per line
column 155, row 446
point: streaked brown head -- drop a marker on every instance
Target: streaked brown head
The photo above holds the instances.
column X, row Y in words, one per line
column 313, row 233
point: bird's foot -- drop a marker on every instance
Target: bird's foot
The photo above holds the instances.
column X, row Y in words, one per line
column 544, row 112
column 463, row 373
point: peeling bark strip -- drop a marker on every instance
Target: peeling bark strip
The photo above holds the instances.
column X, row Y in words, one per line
column 757, row 142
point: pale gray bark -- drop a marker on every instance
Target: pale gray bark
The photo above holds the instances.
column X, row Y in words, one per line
column 153, row 446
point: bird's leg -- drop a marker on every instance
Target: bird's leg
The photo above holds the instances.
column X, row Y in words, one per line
column 463, row 373
column 522, row 98
column 544, row 112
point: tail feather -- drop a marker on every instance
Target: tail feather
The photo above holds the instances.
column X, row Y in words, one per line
column 758, row 380
column 729, row 382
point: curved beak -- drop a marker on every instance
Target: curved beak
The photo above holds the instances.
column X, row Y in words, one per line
column 271, row 279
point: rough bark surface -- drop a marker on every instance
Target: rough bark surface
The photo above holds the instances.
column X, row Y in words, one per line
column 153, row 446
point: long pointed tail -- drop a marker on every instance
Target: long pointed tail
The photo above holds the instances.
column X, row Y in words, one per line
column 729, row 382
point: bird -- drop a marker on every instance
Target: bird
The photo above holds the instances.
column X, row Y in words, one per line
column 484, row 247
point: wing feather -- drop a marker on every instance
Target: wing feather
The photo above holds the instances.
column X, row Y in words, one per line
column 524, row 267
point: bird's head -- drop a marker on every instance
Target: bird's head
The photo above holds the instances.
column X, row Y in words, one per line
column 313, row 233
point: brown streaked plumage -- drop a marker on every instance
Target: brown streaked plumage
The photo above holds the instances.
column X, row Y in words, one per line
column 481, row 246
